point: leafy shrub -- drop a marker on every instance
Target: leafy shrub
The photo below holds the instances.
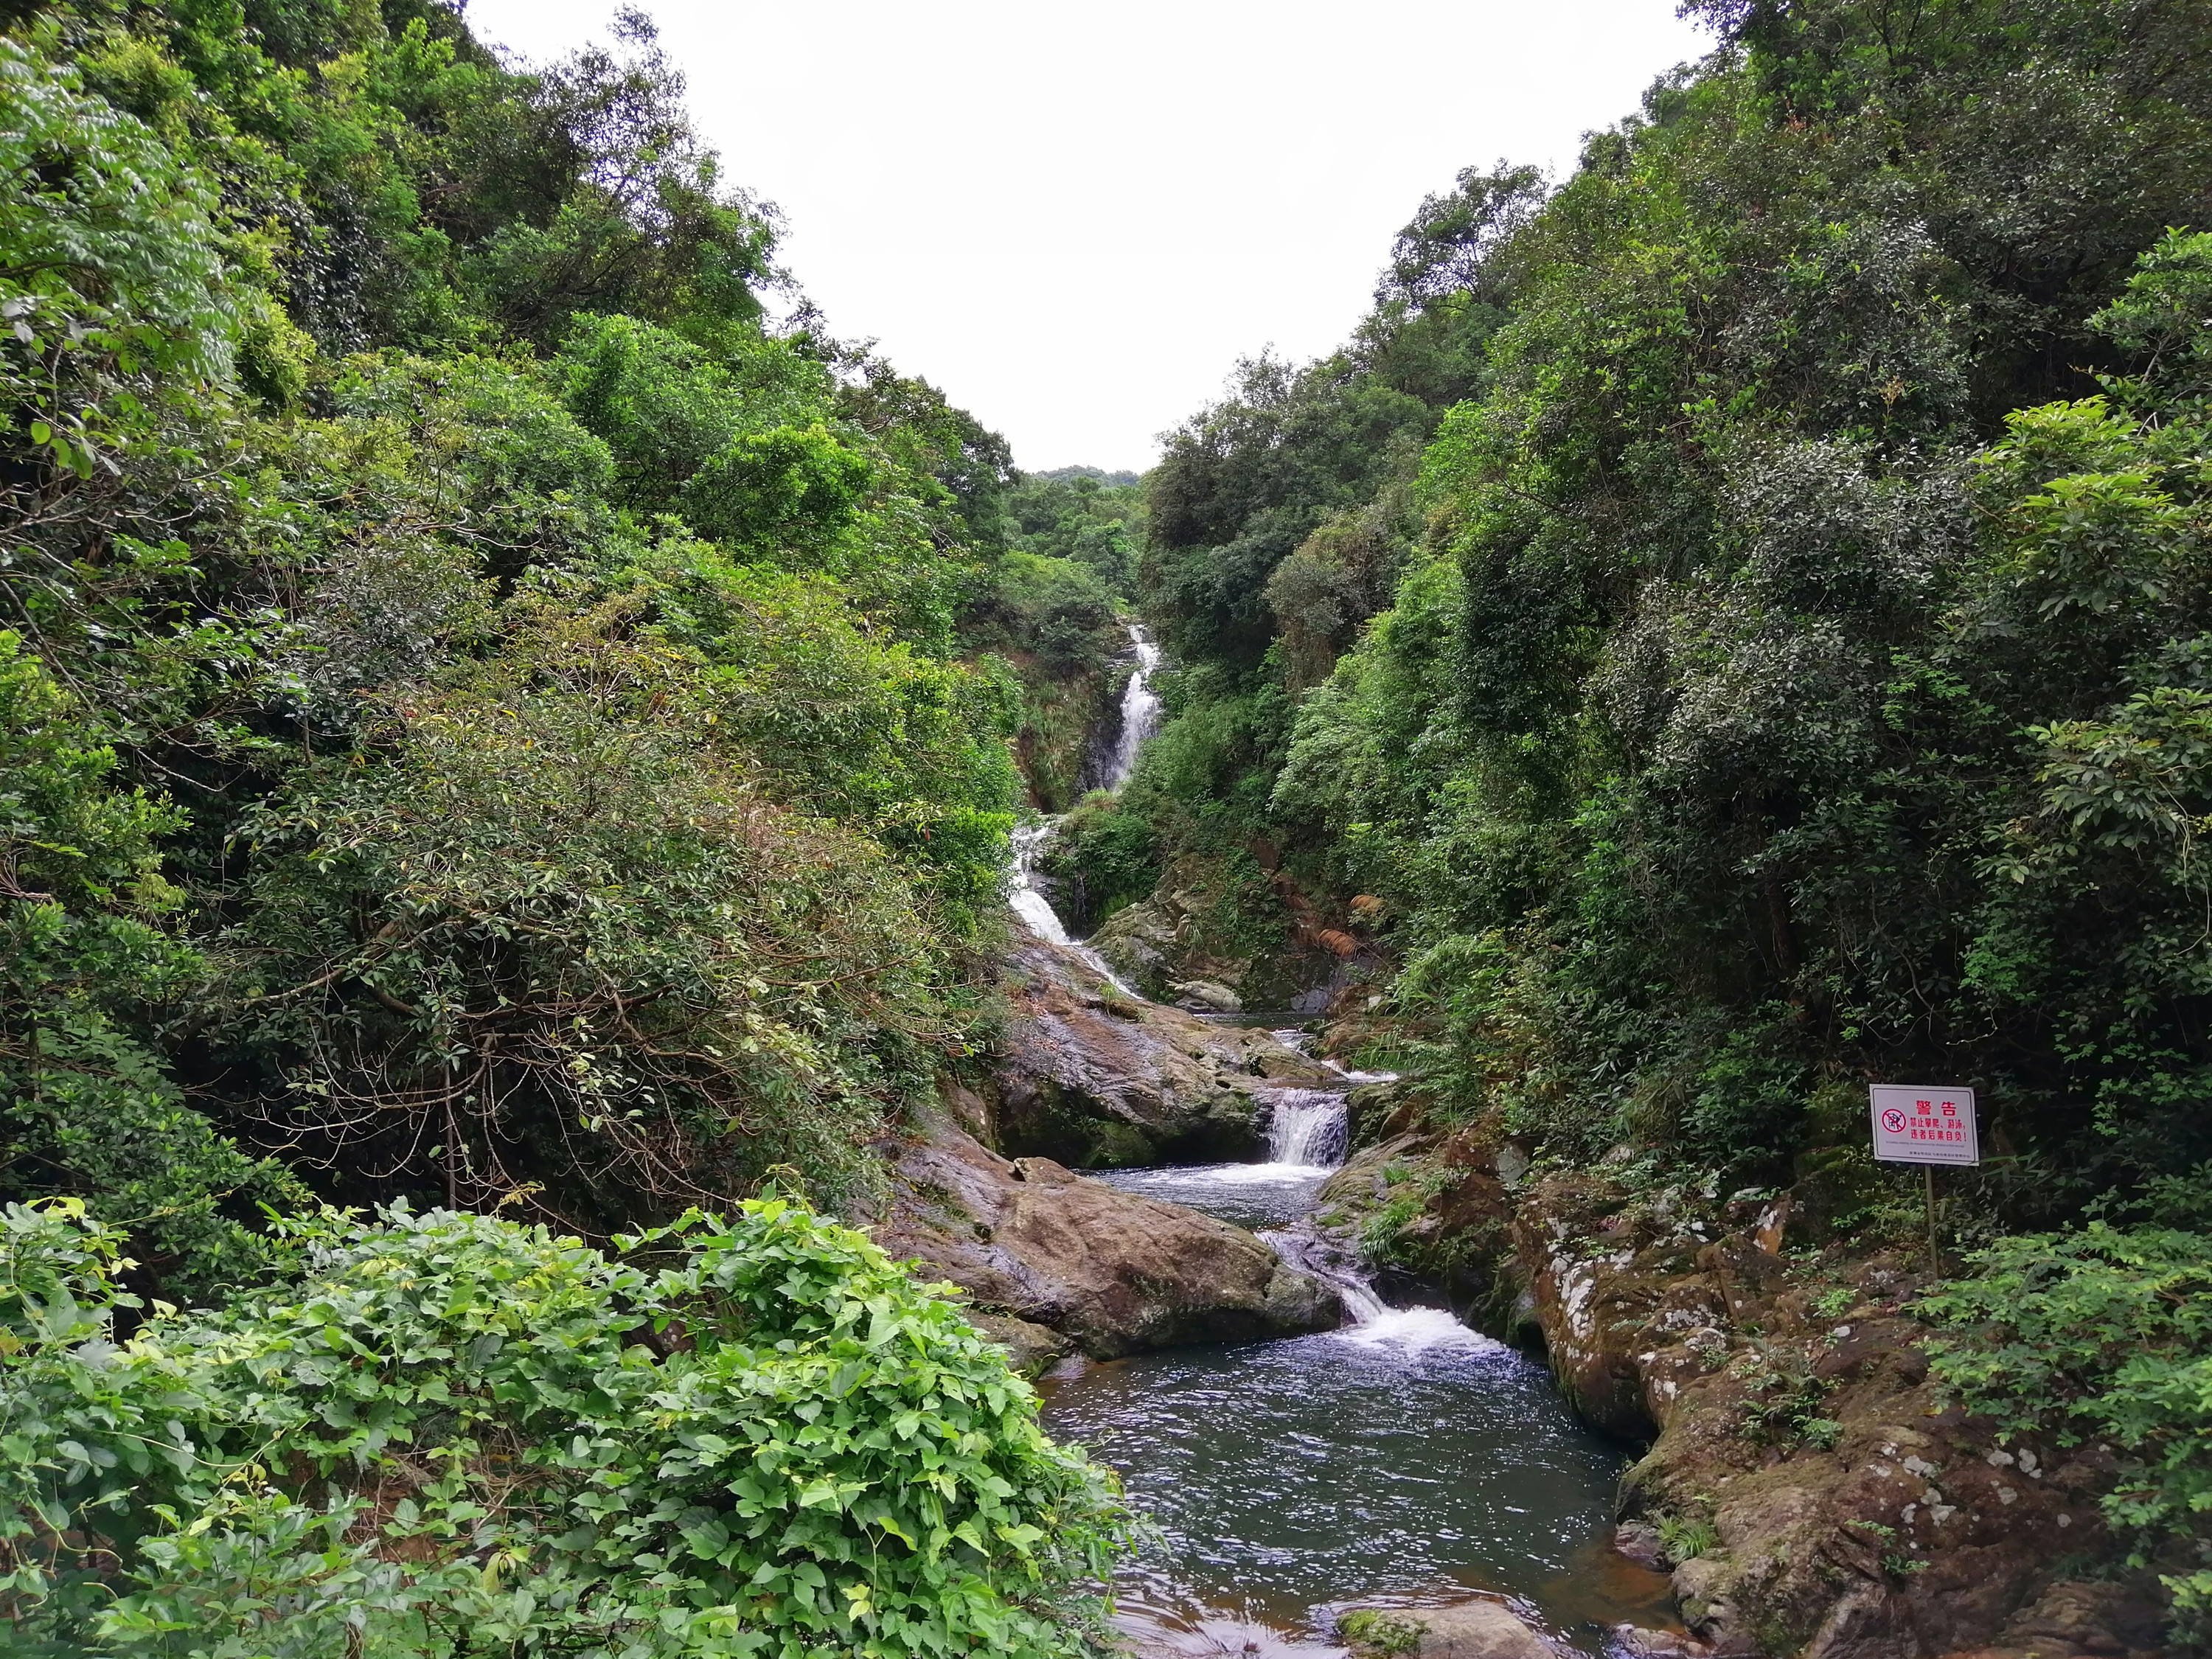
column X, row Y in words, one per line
column 847, row 725
column 754, row 1436
column 534, row 926
column 423, row 779
column 1102, row 858
column 1054, row 610
column 1782, row 1402
column 790, row 494
column 2100, row 1333
column 109, row 265
column 1410, row 1187
column 1834, row 1303
column 87, row 1105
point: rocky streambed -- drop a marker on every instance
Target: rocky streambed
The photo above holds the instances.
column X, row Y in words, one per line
column 1806, row 1486
column 1633, row 1421
column 1304, row 1450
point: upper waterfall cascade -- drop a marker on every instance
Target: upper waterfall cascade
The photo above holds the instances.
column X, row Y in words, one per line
column 1140, row 718
column 1140, row 708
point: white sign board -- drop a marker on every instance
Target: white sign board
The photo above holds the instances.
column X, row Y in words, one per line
column 1923, row 1123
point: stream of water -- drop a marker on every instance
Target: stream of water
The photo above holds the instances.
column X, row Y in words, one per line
column 1402, row 1459
column 1405, row 1459
column 1140, row 718
column 1140, row 710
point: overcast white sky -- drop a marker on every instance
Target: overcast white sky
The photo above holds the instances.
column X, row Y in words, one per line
column 1075, row 218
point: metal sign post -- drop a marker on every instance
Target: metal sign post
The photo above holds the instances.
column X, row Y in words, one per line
column 1927, row 1124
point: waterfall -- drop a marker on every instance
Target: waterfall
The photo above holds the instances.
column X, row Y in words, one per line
column 1306, row 1127
column 1029, row 903
column 1140, row 709
column 1310, row 1129
column 1035, row 910
column 1140, row 718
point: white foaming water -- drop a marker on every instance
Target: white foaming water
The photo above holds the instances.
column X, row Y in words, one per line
column 1261, row 1175
column 1374, row 1323
column 1140, row 718
column 1298, row 1043
column 1029, row 904
column 1037, row 912
column 1140, row 709
column 1306, row 1127
column 1415, row 1329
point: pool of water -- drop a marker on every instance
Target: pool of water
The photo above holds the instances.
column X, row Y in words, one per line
column 1253, row 1195
column 1406, row 1459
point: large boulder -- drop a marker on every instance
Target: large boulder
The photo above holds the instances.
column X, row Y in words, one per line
column 1144, row 941
column 1037, row 1249
column 1089, row 1076
column 1467, row 1630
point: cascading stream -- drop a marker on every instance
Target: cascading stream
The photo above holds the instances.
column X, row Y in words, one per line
column 1140, row 718
column 1140, row 709
column 1035, row 910
column 1403, row 1458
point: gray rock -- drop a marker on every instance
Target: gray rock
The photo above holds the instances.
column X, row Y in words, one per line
column 1092, row 1077
column 1866, row 1622
column 1030, row 1349
column 1640, row 1542
column 1702, row 1587
column 2094, row 1616
column 1028, row 1243
column 1142, row 942
column 1641, row 1644
column 1765, row 1514
column 1208, row 996
column 1512, row 1163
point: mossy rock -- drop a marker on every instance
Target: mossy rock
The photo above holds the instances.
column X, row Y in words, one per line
column 1375, row 1635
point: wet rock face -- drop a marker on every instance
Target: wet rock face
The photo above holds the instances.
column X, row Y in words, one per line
column 1093, row 1079
column 1145, row 943
column 1179, row 945
column 1050, row 1259
column 1851, row 1515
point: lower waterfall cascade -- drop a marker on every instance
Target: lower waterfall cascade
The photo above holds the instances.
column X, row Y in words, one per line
column 1404, row 1459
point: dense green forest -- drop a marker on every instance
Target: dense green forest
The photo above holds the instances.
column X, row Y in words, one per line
column 484, row 726
column 1732, row 625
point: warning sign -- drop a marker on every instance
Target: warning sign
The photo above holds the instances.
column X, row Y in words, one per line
column 1923, row 1123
